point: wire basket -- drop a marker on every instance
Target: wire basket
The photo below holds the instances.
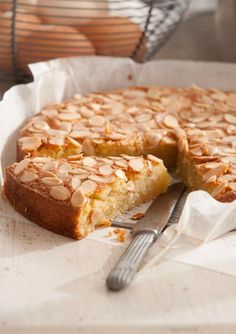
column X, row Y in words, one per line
column 38, row 30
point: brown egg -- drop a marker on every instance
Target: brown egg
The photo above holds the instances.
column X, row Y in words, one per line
column 52, row 42
column 25, row 23
column 66, row 12
column 114, row 36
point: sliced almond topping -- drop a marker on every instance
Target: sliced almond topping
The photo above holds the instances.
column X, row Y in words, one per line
column 89, row 161
column 78, row 198
column 133, row 93
column 210, row 165
column 60, row 193
column 85, row 112
column 219, row 189
column 49, row 112
column 230, row 118
column 87, row 147
column 130, row 186
column 74, row 142
column 51, row 181
column 95, row 215
column 69, row 116
column 227, row 177
column 65, row 167
column 106, row 160
column 136, row 164
column 196, row 151
column 211, row 179
column 232, row 185
column 50, row 165
column 28, row 177
column 41, row 160
column 58, row 141
column 214, row 171
column 74, row 157
column 88, row 187
column 143, row 118
column 62, row 174
column 21, row 166
column 171, row 122
column 120, row 174
column 54, row 132
column 97, row 121
column 30, row 143
column 115, row 136
column 41, row 125
column 66, row 126
column 121, row 163
column 75, row 182
column 83, row 176
column 232, row 160
column 101, row 179
column 105, row 170
column 154, row 159
column 80, row 133
column 183, row 144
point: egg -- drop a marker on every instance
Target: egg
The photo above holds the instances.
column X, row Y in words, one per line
column 114, row 36
column 25, row 23
column 66, row 12
column 52, row 42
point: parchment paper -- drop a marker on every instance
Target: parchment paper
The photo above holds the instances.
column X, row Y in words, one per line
column 203, row 218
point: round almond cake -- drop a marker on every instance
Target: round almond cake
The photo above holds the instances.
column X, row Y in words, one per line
column 105, row 136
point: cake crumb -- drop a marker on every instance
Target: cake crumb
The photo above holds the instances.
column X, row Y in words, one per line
column 138, row 215
column 110, row 234
column 121, row 234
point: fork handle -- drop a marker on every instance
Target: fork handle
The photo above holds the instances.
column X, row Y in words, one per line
column 129, row 262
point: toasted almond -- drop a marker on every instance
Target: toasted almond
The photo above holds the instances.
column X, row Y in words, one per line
column 50, row 165
column 210, row 165
column 41, row 125
column 87, row 147
column 89, row 161
column 219, row 189
column 183, row 144
column 95, row 215
column 86, row 112
column 232, row 160
column 101, row 179
column 75, row 182
column 214, row 171
column 80, row 133
column 143, row 118
column 120, row 174
column 66, row 126
column 55, row 132
column 21, row 166
column 62, row 174
column 130, row 186
column 69, row 116
column 65, row 167
column 153, row 138
column 51, row 181
column 97, row 121
column 88, row 187
column 230, row 118
column 232, row 185
column 227, row 177
column 171, row 122
column 74, row 142
column 133, row 93
column 60, row 193
column 106, row 160
column 121, row 163
column 115, row 136
column 78, row 199
column 74, row 157
column 136, row 164
column 30, row 143
column 49, row 112
column 41, row 160
column 105, row 170
column 28, row 177
column 58, row 141
column 196, row 151
column 154, row 159
column 211, row 179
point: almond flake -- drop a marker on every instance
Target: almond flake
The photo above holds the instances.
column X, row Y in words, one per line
column 66, row 126
column 211, row 179
column 51, row 181
column 28, row 177
column 133, row 93
column 74, row 157
column 54, row 132
column 49, row 112
column 171, row 122
column 58, row 141
column 75, row 182
column 78, row 199
column 88, row 187
column 120, row 174
column 219, row 189
column 196, row 151
column 115, row 136
column 30, row 143
column 101, row 179
column 154, row 159
column 50, row 165
column 143, row 118
column 227, row 177
column 65, row 167
column 136, row 164
column 210, row 165
column 230, row 118
column 69, row 116
column 105, row 170
column 90, row 162
column 95, row 215
column 214, row 171
column 97, row 121
column 232, row 160
column 21, row 166
column 74, row 143
column 87, row 147
column 59, row 193
column 232, row 185
column 80, row 133
column 62, row 174
column 121, row 163
column 41, row 160
column 41, row 125
column 85, row 112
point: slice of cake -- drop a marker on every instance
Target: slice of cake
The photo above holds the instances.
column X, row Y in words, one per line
column 73, row 197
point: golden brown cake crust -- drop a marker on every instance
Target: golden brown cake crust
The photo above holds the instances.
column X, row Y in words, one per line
column 58, row 217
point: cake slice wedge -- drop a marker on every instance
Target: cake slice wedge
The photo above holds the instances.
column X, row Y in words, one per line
column 73, row 197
